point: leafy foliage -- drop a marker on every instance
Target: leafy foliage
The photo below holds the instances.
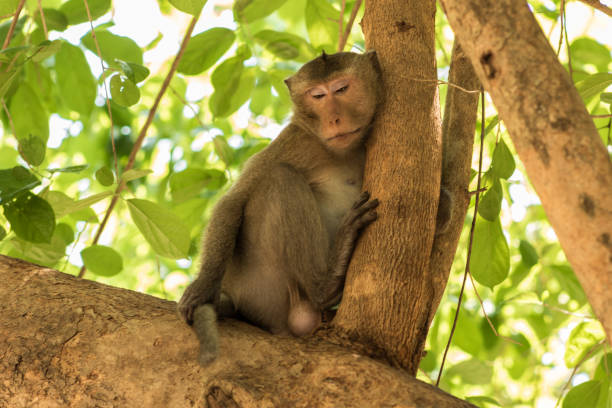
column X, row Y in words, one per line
column 63, row 156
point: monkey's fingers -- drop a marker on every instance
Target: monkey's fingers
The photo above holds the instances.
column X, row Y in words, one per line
column 360, row 211
column 363, row 197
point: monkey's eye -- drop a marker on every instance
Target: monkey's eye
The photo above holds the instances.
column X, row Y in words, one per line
column 318, row 95
column 342, row 89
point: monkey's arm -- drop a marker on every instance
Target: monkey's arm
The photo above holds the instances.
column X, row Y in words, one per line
column 218, row 247
column 327, row 288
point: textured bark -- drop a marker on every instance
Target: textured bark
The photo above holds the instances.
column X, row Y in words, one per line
column 458, row 127
column 388, row 293
column 66, row 342
column 554, row 136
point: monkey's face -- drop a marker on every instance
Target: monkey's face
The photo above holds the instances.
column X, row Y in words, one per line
column 341, row 110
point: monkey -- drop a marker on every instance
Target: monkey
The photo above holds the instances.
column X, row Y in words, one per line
column 277, row 247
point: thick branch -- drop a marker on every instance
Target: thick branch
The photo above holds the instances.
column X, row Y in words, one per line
column 458, row 127
column 70, row 342
column 554, row 136
column 596, row 4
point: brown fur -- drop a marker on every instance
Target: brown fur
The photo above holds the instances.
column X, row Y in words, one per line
column 278, row 243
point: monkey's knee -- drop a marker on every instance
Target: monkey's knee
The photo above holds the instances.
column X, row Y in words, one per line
column 303, row 318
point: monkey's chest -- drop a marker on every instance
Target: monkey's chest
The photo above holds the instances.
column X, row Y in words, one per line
column 336, row 192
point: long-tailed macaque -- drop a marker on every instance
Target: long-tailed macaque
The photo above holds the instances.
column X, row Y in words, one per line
column 278, row 244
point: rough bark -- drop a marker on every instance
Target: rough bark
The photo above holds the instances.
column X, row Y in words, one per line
column 458, row 127
column 388, row 293
column 554, row 136
column 67, row 342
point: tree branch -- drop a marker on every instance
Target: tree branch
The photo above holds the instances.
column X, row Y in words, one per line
column 9, row 35
column 553, row 133
column 458, row 127
column 71, row 342
column 596, row 4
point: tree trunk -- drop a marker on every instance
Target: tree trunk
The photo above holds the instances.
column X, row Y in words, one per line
column 458, row 128
column 67, row 342
column 554, row 136
column 388, row 293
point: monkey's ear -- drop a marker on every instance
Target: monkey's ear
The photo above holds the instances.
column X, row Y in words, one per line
column 288, row 83
column 371, row 55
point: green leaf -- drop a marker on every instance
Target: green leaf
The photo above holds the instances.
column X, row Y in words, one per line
column 124, row 91
column 233, row 86
column 14, row 181
column 102, row 260
column 261, row 97
column 32, row 150
column 583, row 395
column 75, row 11
column 569, row 283
column 529, row 255
column 75, row 82
column 490, row 258
column 45, row 49
column 502, row 163
column 247, row 11
column 223, row 150
column 285, row 45
column 190, row 182
column 482, row 401
column 41, row 253
column 135, row 72
column 321, row 23
column 2, row 233
column 604, row 368
column 489, row 206
column 606, row 97
column 70, row 169
column 54, row 19
column 134, row 174
column 113, row 47
column 193, row 7
column 8, row 7
column 582, row 338
column 63, row 205
column 163, row 230
column 29, row 115
column 586, row 51
column 472, row 371
column 105, row 176
column 31, row 217
column 593, row 85
column 204, row 49
column 64, row 231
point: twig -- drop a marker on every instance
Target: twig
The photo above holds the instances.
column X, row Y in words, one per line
column 596, row 4
column 441, row 82
column 9, row 35
column 340, row 23
column 347, row 31
column 188, row 105
column 471, row 240
column 567, row 44
column 484, row 312
column 143, row 131
column 602, row 116
column 42, row 18
column 108, row 106
column 562, row 19
column 10, row 118
column 585, row 358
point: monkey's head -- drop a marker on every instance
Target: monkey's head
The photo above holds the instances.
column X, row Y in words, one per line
column 336, row 96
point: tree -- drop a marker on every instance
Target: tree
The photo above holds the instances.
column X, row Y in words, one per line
column 89, row 191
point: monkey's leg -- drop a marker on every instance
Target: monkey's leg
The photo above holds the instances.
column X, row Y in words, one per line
column 283, row 241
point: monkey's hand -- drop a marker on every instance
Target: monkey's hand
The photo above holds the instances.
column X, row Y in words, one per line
column 196, row 294
column 358, row 217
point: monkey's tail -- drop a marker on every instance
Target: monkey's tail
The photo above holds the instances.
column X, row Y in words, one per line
column 205, row 327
